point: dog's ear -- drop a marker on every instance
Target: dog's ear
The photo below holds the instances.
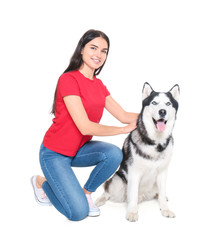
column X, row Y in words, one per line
column 147, row 90
column 175, row 91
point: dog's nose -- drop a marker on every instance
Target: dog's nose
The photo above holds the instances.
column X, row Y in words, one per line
column 162, row 112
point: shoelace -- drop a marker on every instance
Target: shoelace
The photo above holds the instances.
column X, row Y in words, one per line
column 43, row 195
column 90, row 201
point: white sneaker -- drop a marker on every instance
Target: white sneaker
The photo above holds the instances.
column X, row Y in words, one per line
column 39, row 194
column 94, row 211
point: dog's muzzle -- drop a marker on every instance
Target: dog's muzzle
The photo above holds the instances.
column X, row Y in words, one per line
column 160, row 124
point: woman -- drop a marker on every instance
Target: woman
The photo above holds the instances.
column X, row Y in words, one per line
column 78, row 105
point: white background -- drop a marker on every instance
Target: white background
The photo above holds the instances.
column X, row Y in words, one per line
column 161, row 42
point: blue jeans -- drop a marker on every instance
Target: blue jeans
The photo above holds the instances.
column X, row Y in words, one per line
column 62, row 186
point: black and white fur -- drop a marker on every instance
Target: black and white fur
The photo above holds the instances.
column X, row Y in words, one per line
column 146, row 155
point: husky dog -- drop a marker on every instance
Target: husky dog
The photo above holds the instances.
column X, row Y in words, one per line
column 146, row 155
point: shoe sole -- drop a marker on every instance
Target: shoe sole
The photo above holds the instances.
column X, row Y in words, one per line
column 35, row 195
column 94, row 214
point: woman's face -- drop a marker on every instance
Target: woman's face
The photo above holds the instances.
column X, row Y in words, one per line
column 94, row 53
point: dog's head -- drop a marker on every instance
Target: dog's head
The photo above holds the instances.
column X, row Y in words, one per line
column 160, row 109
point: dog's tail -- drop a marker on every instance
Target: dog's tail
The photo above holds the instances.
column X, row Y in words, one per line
column 105, row 196
column 114, row 190
column 102, row 199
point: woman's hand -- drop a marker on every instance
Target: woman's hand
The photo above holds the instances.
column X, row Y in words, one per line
column 130, row 127
column 76, row 110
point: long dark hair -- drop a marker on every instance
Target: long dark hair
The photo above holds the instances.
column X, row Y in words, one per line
column 76, row 59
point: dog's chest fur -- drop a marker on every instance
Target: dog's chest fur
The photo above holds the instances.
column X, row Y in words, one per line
column 151, row 150
column 147, row 160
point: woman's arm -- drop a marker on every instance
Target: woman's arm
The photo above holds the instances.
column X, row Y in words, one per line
column 86, row 127
column 118, row 112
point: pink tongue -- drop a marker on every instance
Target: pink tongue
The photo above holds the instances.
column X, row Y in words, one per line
column 161, row 126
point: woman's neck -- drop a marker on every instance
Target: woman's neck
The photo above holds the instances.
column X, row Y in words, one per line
column 87, row 72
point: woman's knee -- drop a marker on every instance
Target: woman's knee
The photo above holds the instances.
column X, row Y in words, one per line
column 114, row 155
column 79, row 211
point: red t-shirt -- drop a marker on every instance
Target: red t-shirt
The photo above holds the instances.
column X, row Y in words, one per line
column 63, row 136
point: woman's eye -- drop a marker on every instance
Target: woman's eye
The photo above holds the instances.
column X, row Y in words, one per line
column 154, row 103
column 168, row 103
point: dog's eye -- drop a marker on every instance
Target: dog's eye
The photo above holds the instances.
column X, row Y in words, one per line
column 168, row 103
column 154, row 103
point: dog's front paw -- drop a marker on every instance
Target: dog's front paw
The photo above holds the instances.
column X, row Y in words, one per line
column 168, row 213
column 132, row 216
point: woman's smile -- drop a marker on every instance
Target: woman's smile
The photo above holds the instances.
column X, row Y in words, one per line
column 95, row 60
